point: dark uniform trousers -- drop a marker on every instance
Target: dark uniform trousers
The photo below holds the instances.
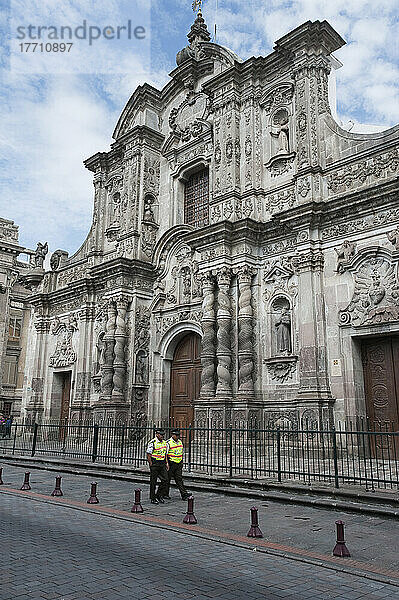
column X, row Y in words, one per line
column 158, row 470
column 175, row 472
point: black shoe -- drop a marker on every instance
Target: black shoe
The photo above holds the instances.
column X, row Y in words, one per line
column 167, row 498
column 161, row 500
column 154, row 501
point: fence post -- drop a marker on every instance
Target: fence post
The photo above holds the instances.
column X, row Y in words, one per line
column 95, row 442
column 34, row 440
column 15, row 438
column 122, row 445
column 231, row 450
column 335, row 457
column 189, row 447
column 278, row 454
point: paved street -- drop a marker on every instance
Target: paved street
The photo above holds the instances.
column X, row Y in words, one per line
column 54, row 552
column 373, row 540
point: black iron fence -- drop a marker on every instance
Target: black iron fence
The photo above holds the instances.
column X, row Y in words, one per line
column 338, row 457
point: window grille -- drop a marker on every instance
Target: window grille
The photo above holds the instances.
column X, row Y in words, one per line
column 196, row 199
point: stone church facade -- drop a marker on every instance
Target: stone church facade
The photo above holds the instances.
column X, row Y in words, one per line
column 242, row 263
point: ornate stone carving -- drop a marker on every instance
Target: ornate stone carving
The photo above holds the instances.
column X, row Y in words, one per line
column 277, row 276
column 376, row 295
column 208, row 340
column 119, row 364
column 278, row 97
column 393, row 237
column 245, row 330
column 344, row 254
column 142, row 329
column 141, row 367
column 281, row 131
column 163, row 323
column 223, row 332
column 40, row 254
column 350, row 225
column 151, row 174
column 355, row 175
column 8, row 231
column 64, row 354
column 278, row 201
column 107, row 369
column 149, row 238
column 281, row 369
column 83, row 387
column 57, row 259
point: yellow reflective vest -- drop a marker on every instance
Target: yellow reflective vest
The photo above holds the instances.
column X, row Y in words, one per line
column 175, row 451
column 160, row 449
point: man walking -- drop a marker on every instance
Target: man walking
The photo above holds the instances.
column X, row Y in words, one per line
column 175, row 459
column 158, row 461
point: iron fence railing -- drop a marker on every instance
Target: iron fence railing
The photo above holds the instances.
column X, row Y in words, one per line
column 354, row 455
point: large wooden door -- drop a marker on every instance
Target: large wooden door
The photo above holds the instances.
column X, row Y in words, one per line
column 381, row 377
column 185, row 380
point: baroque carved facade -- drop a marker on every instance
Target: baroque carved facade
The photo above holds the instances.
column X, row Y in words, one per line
column 231, row 206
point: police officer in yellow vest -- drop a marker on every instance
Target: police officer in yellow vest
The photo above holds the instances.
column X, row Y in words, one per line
column 157, row 459
column 175, row 459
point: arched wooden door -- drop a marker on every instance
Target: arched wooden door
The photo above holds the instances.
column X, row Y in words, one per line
column 185, row 379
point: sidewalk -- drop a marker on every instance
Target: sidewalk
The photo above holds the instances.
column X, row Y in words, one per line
column 301, row 533
column 384, row 503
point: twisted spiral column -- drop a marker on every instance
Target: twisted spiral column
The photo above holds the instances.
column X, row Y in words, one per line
column 208, row 340
column 119, row 378
column 245, row 330
column 107, row 368
column 223, row 352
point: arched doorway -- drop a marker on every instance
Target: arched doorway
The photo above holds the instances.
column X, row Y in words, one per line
column 185, row 379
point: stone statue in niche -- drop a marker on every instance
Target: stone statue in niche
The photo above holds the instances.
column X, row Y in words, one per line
column 283, row 331
column 40, row 254
column 281, row 131
column 148, row 211
column 141, row 367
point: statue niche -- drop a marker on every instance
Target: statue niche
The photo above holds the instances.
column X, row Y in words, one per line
column 280, row 132
column 281, row 318
column 281, row 155
column 141, row 367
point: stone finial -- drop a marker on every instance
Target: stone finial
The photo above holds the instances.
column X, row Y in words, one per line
column 197, row 34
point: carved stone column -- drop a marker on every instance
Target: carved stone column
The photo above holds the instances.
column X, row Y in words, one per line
column 119, row 379
column 223, row 351
column 107, row 369
column 208, row 352
column 245, row 330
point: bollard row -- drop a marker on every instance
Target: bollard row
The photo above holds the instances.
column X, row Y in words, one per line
column 340, row 548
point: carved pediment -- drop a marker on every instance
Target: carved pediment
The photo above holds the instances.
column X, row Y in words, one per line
column 375, row 297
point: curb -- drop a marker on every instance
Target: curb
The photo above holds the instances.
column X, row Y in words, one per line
column 251, row 545
column 200, row 483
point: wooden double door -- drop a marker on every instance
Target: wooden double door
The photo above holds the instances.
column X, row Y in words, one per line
column 381, row 378
column 185, row 380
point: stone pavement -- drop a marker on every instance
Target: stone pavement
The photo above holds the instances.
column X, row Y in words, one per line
column 304, row 531
column 54, row 552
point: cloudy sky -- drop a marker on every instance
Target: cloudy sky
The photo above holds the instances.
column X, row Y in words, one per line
column 57, row 110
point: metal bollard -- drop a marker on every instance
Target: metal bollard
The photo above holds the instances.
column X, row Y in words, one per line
column 190, row 516
column 93, row 495
column 340, row 547
column 137, row 508
column 57, row 490
column 26, row 485
column 1, row 476
column 254, row 531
